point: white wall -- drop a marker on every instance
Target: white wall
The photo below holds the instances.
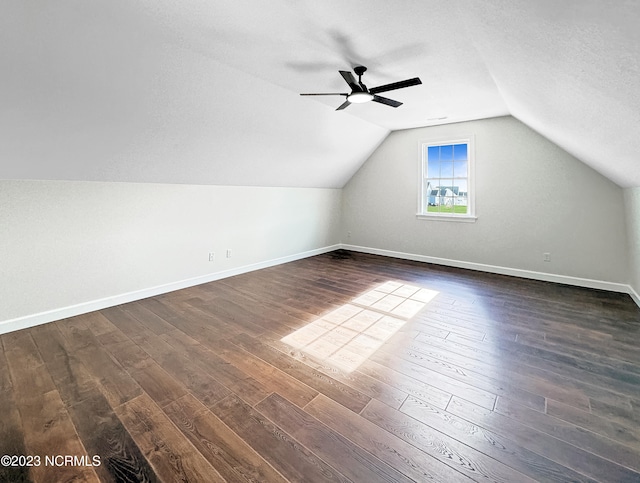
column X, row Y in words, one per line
column 632, row 211
column 66, row 244
column 531, row 197
column 72, row 246
column 112, row 82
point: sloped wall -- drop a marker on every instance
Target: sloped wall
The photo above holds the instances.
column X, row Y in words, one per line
column 160, row 113
column 70, row 247
column 531, row 196
column 632, row 211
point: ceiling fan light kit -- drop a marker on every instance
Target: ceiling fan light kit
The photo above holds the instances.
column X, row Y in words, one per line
column 360, row 94
column 359, row 97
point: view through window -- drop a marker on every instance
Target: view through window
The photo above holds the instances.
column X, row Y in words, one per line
column 446, row 179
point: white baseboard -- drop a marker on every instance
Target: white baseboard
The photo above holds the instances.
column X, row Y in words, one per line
column 634, row 295
column 515, row 272
column 27, row 321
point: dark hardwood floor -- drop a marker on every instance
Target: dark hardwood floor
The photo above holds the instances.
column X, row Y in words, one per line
column 340, row 367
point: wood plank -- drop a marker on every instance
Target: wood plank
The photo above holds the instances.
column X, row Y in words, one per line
column 290, row 316
column 47, row 426
column 190, row 320
column 619, row 411
column 104, row 435
column 274, row 316
column 5, row 377
column 21, row 354
column 337, row 391
column 180, row 367
column 51, row 344
column 287, row 455
column 586, row 356
column 127, row 353
column 467, row 460
column 151, row 377
column 251, row 322
column 459, row 329
column 114, row 382
column 177, row 363
column 97, row 323
column 577, row 390
column 501, row 448
column 171, row 455
column 587, row 372
column 229, row 375
column 570, row 433
column 615, row 349
column 149, row 319
column 359, row 381
column 350, row 460
column 114, row 337
column 409, row 385
column 552, row 448
column 126, row 323
column 502, row 367
column 623, row 433
column 405, row 457
column 71, row 377
column 440, row 381
column 271, row 377
column 487, row 380
column 158, row 384
column 602, row 371
column 75, row 333
column 11, row 437
column 49, row 431
column 232, row 457
column 99, row 429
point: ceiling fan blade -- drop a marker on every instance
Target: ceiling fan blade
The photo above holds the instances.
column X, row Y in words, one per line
column 388, row 102
column 396, row 85
column 344, row 105
column 327, row 94
column 348, row 77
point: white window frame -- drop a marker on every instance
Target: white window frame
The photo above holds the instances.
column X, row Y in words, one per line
column 470, row 215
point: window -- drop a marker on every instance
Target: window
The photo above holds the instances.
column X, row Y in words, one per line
column 446, row 190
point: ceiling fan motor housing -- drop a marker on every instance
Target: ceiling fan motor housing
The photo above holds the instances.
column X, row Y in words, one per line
column 359, row 70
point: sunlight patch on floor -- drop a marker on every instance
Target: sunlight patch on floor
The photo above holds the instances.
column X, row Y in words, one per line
column 346, row 337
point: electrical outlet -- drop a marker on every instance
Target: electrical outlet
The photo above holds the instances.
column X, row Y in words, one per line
column 348, row 234
column 212, row 256
column 546, row 257
column 228, row 252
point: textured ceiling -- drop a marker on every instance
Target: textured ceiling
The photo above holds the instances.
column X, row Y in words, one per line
column 206, row 92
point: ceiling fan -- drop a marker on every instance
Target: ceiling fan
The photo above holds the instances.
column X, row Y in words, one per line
column 359, row 92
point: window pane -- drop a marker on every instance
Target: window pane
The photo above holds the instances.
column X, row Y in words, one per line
column 431, row 193
column 450, row 204
column 446, row 153
column 446, row 183
column 434, row 153
column 460, row 152
column 433, row 168
column 460, row 169
column 446, row 169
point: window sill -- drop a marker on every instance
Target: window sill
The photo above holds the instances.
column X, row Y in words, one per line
column 458, row 218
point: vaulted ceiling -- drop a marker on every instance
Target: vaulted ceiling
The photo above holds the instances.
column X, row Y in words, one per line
column 206, row 92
